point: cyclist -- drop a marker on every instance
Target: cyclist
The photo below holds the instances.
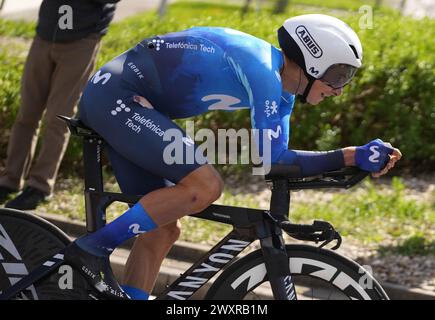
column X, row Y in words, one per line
column 132, row 101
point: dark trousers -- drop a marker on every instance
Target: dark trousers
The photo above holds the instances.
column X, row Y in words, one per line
column 54, row 76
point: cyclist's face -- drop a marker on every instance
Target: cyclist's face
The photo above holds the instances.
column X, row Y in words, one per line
column 321, row 90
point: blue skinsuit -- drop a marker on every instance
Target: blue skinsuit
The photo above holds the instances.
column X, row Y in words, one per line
column 183, row 74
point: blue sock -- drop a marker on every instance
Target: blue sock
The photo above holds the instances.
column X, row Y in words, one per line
column 131, row 223
column 135, row 293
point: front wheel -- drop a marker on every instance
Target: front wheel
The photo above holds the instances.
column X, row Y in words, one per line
column 317, row 274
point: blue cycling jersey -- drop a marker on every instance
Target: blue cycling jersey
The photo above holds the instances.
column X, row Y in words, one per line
column 201, row 69
column 183, row 74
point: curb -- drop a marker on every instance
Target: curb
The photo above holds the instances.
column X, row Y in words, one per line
column 190, row 252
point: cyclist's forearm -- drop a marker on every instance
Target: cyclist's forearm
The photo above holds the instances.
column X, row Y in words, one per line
column 313, row 162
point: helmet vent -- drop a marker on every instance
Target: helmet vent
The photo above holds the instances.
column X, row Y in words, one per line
column 354, row 51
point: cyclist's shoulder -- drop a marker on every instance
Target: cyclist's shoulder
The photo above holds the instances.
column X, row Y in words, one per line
column 255, row 61
column 221, row 34
column 232, row 41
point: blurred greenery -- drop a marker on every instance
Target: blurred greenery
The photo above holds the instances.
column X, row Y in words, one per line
column 330, row 4
column 380, row 216
column 12, row 28
column 390, row 98
column 414, row 245
column 374, row 214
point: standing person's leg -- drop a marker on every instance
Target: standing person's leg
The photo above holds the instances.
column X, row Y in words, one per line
column 74, row 64
column 35, row 85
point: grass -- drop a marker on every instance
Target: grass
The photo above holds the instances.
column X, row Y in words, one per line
column 376, row 215
column 225, row 8
column 21, row 29
column 185, row 14
column 370, row 215
column 331, row 4
column 336, row 4
column 400, row 79
column 414, row 245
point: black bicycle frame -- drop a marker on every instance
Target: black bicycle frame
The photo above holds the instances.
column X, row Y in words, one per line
column 248, row 225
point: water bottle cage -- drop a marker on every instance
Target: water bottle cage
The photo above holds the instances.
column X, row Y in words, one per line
column 319, row 231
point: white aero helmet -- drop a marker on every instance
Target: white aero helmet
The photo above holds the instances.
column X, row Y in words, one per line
column 324, row 47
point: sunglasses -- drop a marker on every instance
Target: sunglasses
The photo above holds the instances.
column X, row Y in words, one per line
column 338, row 75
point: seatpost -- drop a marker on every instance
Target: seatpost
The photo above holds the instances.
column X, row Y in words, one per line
column 95, row 216
column 280, row 200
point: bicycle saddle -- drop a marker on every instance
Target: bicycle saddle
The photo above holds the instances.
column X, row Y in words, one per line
column 78, row 128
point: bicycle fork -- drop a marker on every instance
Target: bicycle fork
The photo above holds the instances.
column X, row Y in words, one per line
column 273, row 245
column 277, row 264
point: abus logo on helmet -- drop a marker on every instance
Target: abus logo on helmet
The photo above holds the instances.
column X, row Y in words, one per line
column 309, row 42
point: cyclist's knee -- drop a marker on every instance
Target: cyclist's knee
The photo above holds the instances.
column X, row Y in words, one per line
column 204, row 193
column 215, row 188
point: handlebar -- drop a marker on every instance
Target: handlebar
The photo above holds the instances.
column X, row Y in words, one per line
column 344, row 178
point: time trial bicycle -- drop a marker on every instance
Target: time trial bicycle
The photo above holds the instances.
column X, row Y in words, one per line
column 32, row 262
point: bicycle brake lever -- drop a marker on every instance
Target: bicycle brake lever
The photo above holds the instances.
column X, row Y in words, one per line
column 339, row 240
column 337, row 237
column 319, row 231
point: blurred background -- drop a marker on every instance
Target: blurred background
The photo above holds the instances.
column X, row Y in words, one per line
column 388, row 223
column 391, row 97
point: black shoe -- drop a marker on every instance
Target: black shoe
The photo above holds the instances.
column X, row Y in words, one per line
column 28, row 199
column 5, row 192
column 96, row 270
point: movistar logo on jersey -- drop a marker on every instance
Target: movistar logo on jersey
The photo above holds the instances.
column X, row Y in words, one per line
column 375, row 154
column 223, row 101
column 309, row 42
column 274, row 134
column 103, row 78
column 135, row 229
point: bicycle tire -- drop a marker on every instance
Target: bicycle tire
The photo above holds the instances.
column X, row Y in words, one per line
column 28, row 240
column 323, row 268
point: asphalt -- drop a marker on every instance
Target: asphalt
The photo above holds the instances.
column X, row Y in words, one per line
column 183, row 254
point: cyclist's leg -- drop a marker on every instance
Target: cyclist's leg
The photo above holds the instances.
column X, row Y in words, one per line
column 150, row 248
column 131, row 178
column 148, row 252
column 137, row 133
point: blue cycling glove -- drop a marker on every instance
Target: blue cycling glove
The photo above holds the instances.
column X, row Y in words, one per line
column 373, row 156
